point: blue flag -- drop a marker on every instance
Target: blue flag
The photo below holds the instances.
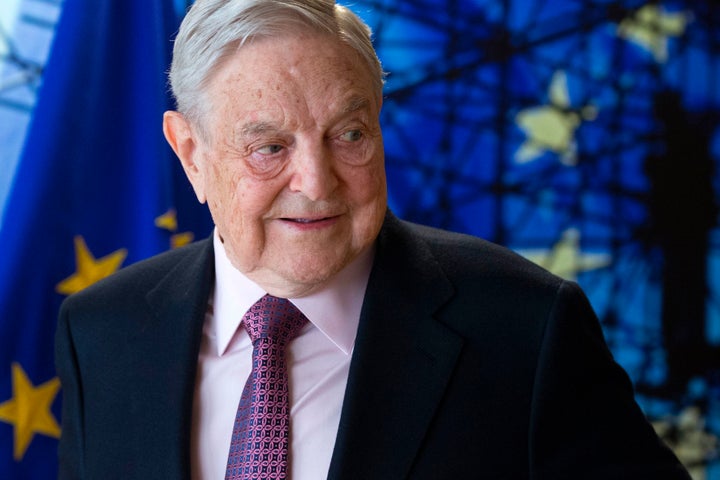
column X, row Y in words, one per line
column 97, row 188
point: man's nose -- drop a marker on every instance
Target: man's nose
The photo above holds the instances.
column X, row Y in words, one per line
column 314, row 172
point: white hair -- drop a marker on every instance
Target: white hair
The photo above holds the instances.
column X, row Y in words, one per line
column 214, row 29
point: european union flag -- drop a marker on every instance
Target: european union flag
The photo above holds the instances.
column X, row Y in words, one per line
column 97, row 188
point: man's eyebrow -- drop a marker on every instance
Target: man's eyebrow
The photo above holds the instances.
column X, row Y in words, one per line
column 256, row 128
column 356, row 103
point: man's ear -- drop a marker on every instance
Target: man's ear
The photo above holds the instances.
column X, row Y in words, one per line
column 184, row 142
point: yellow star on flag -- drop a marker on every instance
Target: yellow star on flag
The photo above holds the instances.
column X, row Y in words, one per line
column 89, row 269
column 167, row 221
column 181, row 239
column 29, row 410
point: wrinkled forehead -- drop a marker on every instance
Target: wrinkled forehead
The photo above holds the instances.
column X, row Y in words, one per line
column 287, row 71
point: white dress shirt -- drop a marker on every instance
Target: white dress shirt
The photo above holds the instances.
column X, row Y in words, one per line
column 318, row 364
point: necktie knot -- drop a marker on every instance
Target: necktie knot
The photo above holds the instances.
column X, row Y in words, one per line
column 275, row 319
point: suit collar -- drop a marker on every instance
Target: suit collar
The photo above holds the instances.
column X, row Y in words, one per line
column 187, row 286
column 402, row 361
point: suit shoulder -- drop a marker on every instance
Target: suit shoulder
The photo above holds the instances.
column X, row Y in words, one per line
column 138, row 278
column 466, row 256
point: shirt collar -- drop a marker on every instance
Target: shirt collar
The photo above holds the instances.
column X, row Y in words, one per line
column 334, row 310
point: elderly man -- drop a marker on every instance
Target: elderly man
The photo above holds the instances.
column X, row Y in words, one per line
column 315, row 335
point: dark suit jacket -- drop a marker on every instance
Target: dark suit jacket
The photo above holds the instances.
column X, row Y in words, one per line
column 470, row 362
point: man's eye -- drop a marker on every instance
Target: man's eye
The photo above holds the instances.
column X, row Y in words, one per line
column 352, row 135
column 269, row 149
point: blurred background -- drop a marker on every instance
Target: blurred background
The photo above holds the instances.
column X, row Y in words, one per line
column 583, row 134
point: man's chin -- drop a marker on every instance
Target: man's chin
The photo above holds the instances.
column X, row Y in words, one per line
column 307, row 276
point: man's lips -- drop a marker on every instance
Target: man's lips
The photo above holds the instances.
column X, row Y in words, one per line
column 304, row 220
column 310, row 220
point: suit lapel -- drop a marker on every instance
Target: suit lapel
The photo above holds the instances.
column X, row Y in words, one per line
column 164, row 388
column 401, row 364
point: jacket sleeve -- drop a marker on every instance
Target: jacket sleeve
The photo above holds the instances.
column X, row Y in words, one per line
column 585, row 422
column 71, row 448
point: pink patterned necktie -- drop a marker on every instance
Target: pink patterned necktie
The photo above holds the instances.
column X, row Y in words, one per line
column 259, row 447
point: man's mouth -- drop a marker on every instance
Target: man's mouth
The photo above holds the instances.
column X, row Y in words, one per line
column 303, row 220
column 307, row 221
column 319, row 221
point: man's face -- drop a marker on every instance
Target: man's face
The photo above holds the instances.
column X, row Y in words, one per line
column 292, row 163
